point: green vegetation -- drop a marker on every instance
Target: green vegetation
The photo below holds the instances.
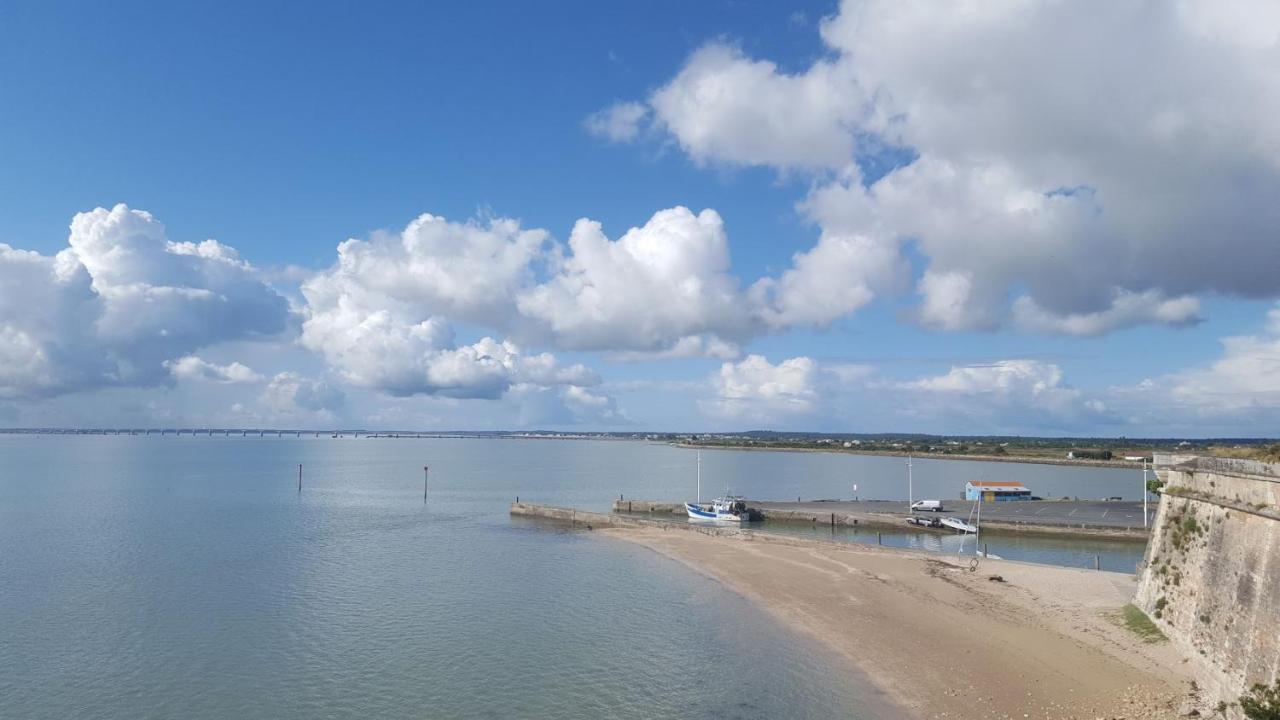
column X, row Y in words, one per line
column 1155, row 485
column 1183, row 529
column 1266, row 453
column 1089, row 450
column 1262, row 702
column 1139, row 624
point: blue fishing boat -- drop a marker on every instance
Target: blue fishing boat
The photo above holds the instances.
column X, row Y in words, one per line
column 729, row 508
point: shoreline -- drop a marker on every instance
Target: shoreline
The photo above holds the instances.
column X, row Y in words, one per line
column 938, row 640
column 1026, row 460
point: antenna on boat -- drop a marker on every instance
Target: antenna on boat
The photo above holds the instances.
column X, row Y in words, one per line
column 699, row 477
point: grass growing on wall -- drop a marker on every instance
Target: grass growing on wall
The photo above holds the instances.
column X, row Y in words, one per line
column 1139, row 624
column 1262, row 702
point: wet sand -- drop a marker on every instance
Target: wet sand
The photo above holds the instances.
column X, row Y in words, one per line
column 942, row 641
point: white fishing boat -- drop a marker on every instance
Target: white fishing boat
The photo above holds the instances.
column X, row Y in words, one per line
column 959, row 525
column 729, row 508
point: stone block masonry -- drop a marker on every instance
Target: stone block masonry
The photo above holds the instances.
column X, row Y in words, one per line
column 1211, row 576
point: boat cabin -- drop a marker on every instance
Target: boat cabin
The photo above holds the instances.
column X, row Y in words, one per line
column 731, row 504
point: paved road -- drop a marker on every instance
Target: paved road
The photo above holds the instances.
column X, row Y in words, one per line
column 1043, row 512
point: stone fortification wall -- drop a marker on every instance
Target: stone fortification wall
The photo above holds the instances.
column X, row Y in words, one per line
column 1211, row 576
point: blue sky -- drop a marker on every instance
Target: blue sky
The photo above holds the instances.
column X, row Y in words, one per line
column 889, row 247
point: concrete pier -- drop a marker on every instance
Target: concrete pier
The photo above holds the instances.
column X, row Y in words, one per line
column 585, row 518
column 1049, row 517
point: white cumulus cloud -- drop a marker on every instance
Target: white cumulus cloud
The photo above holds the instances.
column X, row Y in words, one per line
column 725, row 107
column 620, row 122
column 120, row 301
column 1240, row 388
column 396, row 353
column 193, row 367
column 435, row 267
column 1003, row 394
column 292, row 395
column 1059, row 169
column 755, row 389
column 649, row 290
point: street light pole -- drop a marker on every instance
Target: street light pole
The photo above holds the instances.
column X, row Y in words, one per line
column 1144, row 492
column 911, row 496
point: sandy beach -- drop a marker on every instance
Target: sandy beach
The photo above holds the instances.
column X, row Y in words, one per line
column 942, row 641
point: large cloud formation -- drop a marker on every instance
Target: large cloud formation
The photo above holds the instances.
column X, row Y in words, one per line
column 1005, row 393
column 119, row 302
column 661, row 289
column 1060, row 171
column 648, row 290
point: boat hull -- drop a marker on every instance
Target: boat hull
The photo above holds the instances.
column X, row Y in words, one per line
column 699, row 512
column 958, row 525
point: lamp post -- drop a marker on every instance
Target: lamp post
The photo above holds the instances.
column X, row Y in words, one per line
column 1145, row 492
column 910, row 490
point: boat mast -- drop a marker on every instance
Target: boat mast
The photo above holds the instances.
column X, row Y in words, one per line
column 910, row 493
column 699, row 477
column 977, row 530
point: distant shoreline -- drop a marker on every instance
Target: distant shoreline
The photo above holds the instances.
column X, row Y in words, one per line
column 1115, row 464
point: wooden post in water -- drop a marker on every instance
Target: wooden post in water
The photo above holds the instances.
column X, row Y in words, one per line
column 984, row 551
column 879, row 538
column 299, row 477
column 1097, row 562
column 426, row 482
column 833, row 522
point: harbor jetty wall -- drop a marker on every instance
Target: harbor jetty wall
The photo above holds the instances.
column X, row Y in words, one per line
column 890, row 516
column 1211, row 575
column 601, row 520
column 570, row 515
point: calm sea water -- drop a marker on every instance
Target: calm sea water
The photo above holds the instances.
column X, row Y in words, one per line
column 188, row 578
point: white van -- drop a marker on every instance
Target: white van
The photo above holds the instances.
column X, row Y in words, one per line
column 929, row 505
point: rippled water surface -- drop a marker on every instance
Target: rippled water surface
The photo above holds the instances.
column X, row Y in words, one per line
column 188, row 578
